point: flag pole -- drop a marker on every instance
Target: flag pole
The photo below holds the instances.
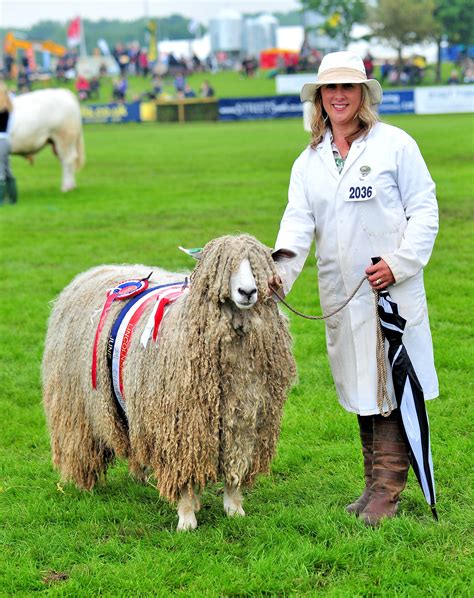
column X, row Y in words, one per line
column 83, row 41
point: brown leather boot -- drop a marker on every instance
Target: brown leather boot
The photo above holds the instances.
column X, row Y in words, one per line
column 389, row 472
column 366, row 429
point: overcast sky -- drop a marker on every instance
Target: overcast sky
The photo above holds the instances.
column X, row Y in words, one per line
column 24, row 13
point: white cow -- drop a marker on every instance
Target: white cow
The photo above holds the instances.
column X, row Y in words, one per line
column 49, row 116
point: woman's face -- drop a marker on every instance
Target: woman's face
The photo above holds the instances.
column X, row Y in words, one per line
column 341, row 102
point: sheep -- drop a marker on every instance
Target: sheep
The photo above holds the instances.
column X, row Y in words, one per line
column 49, row 116
column 203, row 402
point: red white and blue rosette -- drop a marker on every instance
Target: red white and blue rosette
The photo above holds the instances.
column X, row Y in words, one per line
column 124, row 290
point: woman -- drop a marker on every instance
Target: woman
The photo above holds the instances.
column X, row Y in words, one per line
column 7, row 180
column 361, row 189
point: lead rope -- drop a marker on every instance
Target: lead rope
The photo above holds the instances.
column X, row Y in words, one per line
column 382, row 393
column 383, row 397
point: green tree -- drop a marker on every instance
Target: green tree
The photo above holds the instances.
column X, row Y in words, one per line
column 455, row 20
column 403, row 22
column 341, row 15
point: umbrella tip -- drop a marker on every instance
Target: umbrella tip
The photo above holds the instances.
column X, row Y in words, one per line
column 435, row 514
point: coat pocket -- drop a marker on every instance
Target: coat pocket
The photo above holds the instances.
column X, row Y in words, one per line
column 411, row 300
column 328, row 301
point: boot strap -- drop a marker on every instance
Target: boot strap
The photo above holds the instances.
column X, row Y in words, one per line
column 383, row 446
column 389, row 474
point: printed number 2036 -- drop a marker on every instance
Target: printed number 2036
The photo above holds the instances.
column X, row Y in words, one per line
column 360, row 192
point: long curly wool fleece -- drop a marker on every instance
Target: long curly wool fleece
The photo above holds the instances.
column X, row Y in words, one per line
column 203, row 403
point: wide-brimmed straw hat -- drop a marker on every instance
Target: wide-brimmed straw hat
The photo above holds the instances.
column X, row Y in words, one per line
column 342, row 67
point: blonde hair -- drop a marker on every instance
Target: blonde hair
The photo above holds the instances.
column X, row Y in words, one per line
column 317, row 121
column 5, row 102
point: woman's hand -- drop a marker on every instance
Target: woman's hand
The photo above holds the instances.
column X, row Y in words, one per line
column 277, row 285
column 380, row 276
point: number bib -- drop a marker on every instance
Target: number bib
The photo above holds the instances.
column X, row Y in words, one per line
column 360, row 192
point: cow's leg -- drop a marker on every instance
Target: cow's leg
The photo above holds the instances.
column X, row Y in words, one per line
column 64, row 145
column 69, row 180
column 187, row 506
column 233, row 501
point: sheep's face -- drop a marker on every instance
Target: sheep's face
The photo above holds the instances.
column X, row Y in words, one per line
column 234, row 271
column 243, row 287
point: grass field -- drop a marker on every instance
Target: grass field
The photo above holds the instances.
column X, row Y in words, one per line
column 145, row 190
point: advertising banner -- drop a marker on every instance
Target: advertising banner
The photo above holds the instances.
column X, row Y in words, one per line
column 293, row 83
column 443, row 100
column 255, row 108
column 398, row 102
column 110, row 113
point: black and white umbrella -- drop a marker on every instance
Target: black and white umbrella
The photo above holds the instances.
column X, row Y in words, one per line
column 412, row 416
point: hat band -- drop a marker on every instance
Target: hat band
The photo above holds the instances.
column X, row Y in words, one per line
column 339, row 74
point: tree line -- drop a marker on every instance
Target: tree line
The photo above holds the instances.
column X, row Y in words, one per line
column 400, row 22
column 114, row 31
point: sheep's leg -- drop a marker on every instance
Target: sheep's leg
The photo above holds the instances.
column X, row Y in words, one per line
column 78, row 454
column 233, row 501
column 187, row 505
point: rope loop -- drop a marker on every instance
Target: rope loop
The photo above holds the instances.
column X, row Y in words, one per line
column 383, row 397
column 333, row 313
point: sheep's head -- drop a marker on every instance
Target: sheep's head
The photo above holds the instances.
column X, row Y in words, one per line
column 235, row 269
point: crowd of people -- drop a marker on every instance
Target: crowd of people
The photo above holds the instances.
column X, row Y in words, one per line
column 168, row 76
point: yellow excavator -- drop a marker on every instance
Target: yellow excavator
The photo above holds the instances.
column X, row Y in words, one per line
column 11, row 45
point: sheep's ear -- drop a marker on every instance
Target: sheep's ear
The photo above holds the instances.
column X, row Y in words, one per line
column 283, row 254
column 195, row 252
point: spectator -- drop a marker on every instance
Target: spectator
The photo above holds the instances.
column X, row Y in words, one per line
column 7, row 180
column 82, row 88
column 196, row 63
column 122, row 58
column 211, row 63
column 385, row 70
column 454, row 78
column 468, row 75
column 133, row 53
column 120, row 89
column 157, row 85
column 143, row 62
column 249, row 65
column 305, row 53
column 188, row 92
column 280, row 64
column 9, row 62
column 179, row 82
column 369, row 65
column 393, row 76
column 207, row 91
column 94, row 88
column 418, row 67
column 23, row 80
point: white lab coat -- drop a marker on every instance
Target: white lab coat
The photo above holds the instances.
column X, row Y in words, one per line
column 391, row 212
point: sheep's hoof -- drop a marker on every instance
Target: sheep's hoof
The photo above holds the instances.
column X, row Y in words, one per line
column 234, row 511
column 187, row 523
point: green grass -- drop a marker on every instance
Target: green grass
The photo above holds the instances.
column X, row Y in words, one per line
column 145, row 190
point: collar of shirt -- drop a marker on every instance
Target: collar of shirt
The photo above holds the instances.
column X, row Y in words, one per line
column 340, row 161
